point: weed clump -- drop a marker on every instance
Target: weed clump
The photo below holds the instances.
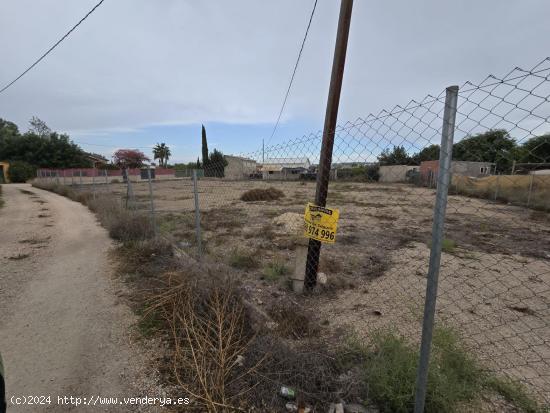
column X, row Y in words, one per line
column 129, row 225
column 275, row 270
column 515, row 393
column 455, row 379
column 293, row 321
column 268, row 194
column 244, row 260
column 447, row 245
column 145, row 258
column 389, row 367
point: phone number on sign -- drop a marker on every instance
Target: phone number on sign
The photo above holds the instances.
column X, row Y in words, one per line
column 319, row 233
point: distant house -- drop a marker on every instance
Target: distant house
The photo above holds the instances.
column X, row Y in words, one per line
column 395, row 173
column 239, row 167
column 285, row 168
column 430, row 169
column 96, row 159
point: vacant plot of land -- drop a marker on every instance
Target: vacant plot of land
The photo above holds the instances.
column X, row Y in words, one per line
column 495, row 276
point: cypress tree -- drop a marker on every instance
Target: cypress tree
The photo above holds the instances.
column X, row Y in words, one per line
column 204, row 148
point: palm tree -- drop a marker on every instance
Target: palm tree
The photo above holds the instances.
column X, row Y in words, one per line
column 162, row 153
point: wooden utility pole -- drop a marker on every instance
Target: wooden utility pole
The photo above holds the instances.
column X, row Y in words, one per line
column 331, row 116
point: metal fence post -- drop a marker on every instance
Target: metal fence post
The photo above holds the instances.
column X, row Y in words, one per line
column 93, row 182
column 443, row 179
column 496, row 189
column 153, row 220
column 197, row 215
column 530, row 190
column 130, row 201
column 80, row 173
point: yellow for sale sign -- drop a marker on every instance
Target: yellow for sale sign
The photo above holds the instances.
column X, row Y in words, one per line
column 320, row 223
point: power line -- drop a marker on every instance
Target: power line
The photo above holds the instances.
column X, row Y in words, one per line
column 293, row 72
column 51, row 48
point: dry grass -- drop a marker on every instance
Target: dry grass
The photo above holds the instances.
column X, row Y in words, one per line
column 243, row 259
column 268, row 194
column 293, row 321
column 122, row 224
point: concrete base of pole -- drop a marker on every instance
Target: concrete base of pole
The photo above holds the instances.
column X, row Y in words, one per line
column 299, row 269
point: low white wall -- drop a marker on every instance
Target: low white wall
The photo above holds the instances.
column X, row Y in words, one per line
column 395, row 173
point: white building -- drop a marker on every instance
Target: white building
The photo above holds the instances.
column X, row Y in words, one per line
column 239, row 167
column 284, row 168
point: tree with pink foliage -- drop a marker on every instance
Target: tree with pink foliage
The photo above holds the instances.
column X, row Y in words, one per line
column 129, row 158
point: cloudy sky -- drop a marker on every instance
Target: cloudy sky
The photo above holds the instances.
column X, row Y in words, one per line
column 138, row 72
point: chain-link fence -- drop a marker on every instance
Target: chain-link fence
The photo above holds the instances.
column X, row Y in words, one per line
column 402, row 201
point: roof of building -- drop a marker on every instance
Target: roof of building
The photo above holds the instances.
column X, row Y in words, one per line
column 241, row 158
column 96, row 157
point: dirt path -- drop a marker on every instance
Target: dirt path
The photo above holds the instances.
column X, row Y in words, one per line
column 63, row 330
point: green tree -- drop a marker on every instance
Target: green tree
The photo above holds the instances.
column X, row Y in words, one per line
column 429, row 153
column 20, row 172
column 162, row 153
column 397, row 156
column 535, row 150
column 39, row 127
column 494, row 146
column 8, row 129
column 49, row 150
column 204, row 148
column 216, row 165
column 198, row 165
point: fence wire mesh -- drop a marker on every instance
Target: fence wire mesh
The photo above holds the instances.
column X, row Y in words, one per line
column 494, row 283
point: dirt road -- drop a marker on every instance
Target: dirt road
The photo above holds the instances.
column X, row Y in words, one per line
column 63, row 330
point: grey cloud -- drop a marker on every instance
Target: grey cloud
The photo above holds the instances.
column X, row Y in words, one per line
column 136, row 63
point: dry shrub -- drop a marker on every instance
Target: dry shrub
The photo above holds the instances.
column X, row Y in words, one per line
column 129, row 225
column 146, row 258
column 244, row 259
column 222, row 364
column 310, row 367
column 82, row 197
column 293, row 321
column 210, row 334
column 268, row 194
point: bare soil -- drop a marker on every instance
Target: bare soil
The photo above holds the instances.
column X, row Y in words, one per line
column 494, row 283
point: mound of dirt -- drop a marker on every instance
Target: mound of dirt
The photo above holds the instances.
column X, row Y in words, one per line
column 292, row 222
column 268, row 194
